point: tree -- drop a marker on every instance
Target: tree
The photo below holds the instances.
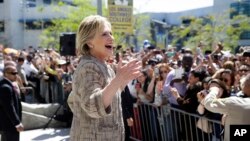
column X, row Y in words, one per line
column 50, row 36
column 79, row 10
column 141, row 32
column 210, row 30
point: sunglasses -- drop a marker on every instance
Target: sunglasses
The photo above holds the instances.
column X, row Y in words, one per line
column 13, row 73
column 243, row 70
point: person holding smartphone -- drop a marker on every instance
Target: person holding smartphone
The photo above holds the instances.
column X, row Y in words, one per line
column 178, row 82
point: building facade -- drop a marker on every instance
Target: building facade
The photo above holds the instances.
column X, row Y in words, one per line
column 22, row 21
column 219, row 8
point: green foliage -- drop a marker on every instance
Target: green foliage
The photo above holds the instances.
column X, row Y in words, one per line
column 210, row 30
column 83, row 8
column 141, row 32
column 50, row 36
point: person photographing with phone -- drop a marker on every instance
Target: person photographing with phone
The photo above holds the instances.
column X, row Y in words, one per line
column 155, row 87
column 178, row 78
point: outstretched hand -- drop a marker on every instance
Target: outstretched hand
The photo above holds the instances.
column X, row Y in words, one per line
column 129, row 71
column 174, row 92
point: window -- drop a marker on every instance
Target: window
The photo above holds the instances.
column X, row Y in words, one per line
column 35, row 25
column 245, row 35
column 47, row 2
column 1, row 26
column 1, row 1
column 47, row 24
column 186, row 21
column 38, row 25
column 242, row 7
column 30, row 3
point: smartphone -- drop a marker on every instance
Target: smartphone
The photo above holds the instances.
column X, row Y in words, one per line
column 170, row 54
column 156, row 71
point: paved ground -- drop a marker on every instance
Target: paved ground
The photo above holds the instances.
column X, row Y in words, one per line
column 49, row 134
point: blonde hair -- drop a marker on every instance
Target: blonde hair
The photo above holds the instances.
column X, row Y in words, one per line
column 87, row 31
column 164, row 65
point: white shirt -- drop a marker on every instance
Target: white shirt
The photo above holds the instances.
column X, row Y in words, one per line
column 237, row 109
column 29, row 68
column 132, row 89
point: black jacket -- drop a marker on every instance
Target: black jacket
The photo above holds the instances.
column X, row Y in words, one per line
column 127, row 103
column 10, row 107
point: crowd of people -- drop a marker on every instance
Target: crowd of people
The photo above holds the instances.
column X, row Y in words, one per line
column 32, row 76
column 214, row 83
column 184, row 80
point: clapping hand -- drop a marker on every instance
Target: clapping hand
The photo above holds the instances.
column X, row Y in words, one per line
column 129, row 71
column 174, row 92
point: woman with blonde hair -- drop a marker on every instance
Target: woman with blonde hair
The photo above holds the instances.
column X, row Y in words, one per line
column 155, row 87
column 95, row 99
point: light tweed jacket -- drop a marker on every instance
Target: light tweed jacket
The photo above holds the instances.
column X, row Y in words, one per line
column 90, row 121
column 237, row 110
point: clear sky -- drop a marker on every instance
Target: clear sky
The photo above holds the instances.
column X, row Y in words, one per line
column 169, row 5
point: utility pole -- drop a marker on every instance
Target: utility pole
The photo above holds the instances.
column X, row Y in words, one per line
column 99, row 7
column 24, row 21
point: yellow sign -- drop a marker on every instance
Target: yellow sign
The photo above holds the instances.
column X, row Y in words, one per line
column 120, row 15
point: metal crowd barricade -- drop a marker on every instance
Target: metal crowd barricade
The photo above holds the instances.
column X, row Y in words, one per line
column 32, row 92
column 52, row 91
column 166, row 123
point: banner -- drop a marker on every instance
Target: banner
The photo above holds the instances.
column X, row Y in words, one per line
column 120, row 15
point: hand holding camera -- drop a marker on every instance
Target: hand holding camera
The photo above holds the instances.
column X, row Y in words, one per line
column 156, row 72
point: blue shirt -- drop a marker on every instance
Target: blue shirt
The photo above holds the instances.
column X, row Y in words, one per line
column 181, row 88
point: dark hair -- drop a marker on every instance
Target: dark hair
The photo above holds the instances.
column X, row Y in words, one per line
column 147, row 80
column 223, row 86
column 207, row 79
column 246, row 53
column 199, row 74
column 228, row 71
column 195, row 73
column 20, row 59
column 207, row 52
column 187, row 61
